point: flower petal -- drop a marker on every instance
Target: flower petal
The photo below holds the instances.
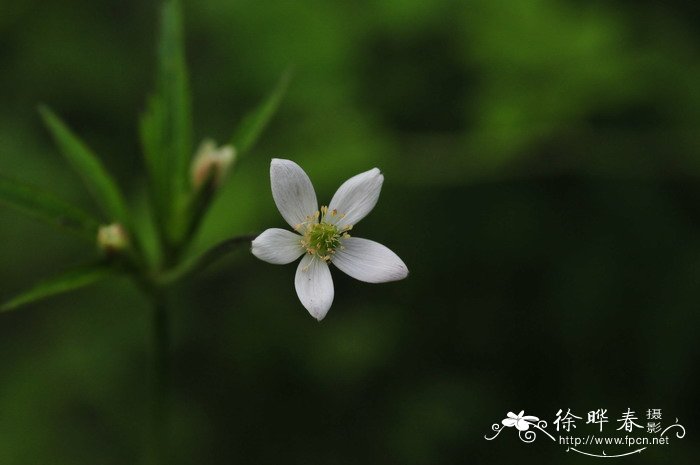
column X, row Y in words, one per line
column 369, row 261
column 314, row 286
column 292, row 190
column 522, row 425
column 357, row 196
column 508, row 422
column 277, row 246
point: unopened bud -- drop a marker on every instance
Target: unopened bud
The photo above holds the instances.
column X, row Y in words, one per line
column 211, row 162
column 112, row 238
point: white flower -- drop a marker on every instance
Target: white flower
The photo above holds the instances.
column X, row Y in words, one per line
column 321, row 235
column 520, row 421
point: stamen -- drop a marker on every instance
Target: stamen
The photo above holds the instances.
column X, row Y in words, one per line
column 321, row 238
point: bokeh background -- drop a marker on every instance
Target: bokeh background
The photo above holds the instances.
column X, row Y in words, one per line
column 542, row 164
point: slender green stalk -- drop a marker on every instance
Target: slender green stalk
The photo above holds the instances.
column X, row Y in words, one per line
column 200, row 262
column 156, row 290
column 161, row 383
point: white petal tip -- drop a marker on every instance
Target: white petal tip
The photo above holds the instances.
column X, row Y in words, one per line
column 318, row 309
column 397, row 274
column 317, row 313
column 402, row 273
column 281, row 161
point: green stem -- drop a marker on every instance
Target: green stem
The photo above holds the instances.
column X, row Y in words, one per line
column 160, row 395
column 159, row 447
column 204, row 260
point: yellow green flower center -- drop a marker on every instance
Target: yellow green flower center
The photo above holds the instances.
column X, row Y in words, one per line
column 321, row 237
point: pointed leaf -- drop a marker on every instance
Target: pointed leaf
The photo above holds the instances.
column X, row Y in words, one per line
column 166, row 127
column 254, row 123
column 151, row 128
column 47, row 207
column 68, row 281
column 175, row 93
column 88, row 166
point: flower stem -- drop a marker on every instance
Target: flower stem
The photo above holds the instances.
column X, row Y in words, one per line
column 160, row 395
column 202, row 261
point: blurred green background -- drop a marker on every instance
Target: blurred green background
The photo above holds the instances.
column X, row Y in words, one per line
column 542, row 165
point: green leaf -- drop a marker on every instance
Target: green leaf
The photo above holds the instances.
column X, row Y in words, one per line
column 68, row 281
column 175, row 92
column 254, row 123
column 98, row 181
column 166, row 127
column 47, row 207
column 152, row 143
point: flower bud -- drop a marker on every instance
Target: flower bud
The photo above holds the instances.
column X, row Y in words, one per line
column 112, row 238
column 212, row 163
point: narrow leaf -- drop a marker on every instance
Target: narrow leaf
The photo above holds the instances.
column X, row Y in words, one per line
column 166, row 127
column 68, row 281
column 88, row 166
column 151, row 128
column 175, row 90
column 173, row 108
column 254, row 123
column 47, row 207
